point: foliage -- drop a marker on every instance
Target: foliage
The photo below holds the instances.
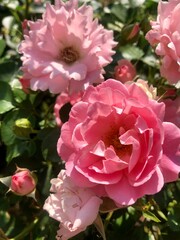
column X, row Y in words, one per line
column 28, row 131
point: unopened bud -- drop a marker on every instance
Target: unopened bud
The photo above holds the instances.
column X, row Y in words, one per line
column 23, row 182
column 130, row 32
column 22, row 128
column 124, row 71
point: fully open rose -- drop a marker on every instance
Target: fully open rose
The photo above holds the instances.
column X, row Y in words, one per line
column 116, row 142
column 66, row 50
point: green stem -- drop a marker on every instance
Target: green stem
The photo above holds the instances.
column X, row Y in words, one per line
column 25, row 231
column 107, row 220
column 26, row 9
column 47, row 179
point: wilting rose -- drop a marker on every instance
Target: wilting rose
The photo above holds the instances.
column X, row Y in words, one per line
column 75, row 208
column 124, row 71
column 165, row 36
column 117, row 143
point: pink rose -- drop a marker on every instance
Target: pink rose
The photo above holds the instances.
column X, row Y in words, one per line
column 63, row 57
column 75, row 208
column 124, row 71
column 165, row 35
column 172, row 113
column 22, row 182
column 37, row 1
column 117, row 143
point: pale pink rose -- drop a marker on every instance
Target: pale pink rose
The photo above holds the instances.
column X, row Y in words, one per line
column 116, row 139
column 66, row 50
column 124, row 71
column 37, row 1
column 61, row 100
column 165, row 36
column 149, row 90
column 75, row 208
column 22, row 182
column 172, row 113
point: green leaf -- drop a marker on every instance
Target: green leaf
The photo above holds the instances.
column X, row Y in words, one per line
column 7, row 133
column 151, row 61
column 119, row 221
column 6, row 92
column 5, row 106
column 161, row 214
column 7, row 127
column 174, row 217
column 151, row 216
column 15, row 150
column 8, row 70
column 120, row 12
column 131, row 52
column 50, row 137
column 2, row 46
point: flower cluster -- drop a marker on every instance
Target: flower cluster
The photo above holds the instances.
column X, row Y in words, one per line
column 115, row 144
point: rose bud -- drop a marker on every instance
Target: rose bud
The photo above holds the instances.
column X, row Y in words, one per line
column 22, row 128
column 130, row 32
column 124, row 71
column 23, row 182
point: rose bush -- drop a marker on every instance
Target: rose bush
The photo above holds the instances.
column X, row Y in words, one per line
column 121, row 140
column 117, row 143
column 74, row 207
column 165, row 37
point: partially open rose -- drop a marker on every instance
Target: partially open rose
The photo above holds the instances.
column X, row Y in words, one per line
column 74, row 207
column 165, row 36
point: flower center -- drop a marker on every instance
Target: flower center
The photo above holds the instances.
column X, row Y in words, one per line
column 69, row 55
column 112, row 139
